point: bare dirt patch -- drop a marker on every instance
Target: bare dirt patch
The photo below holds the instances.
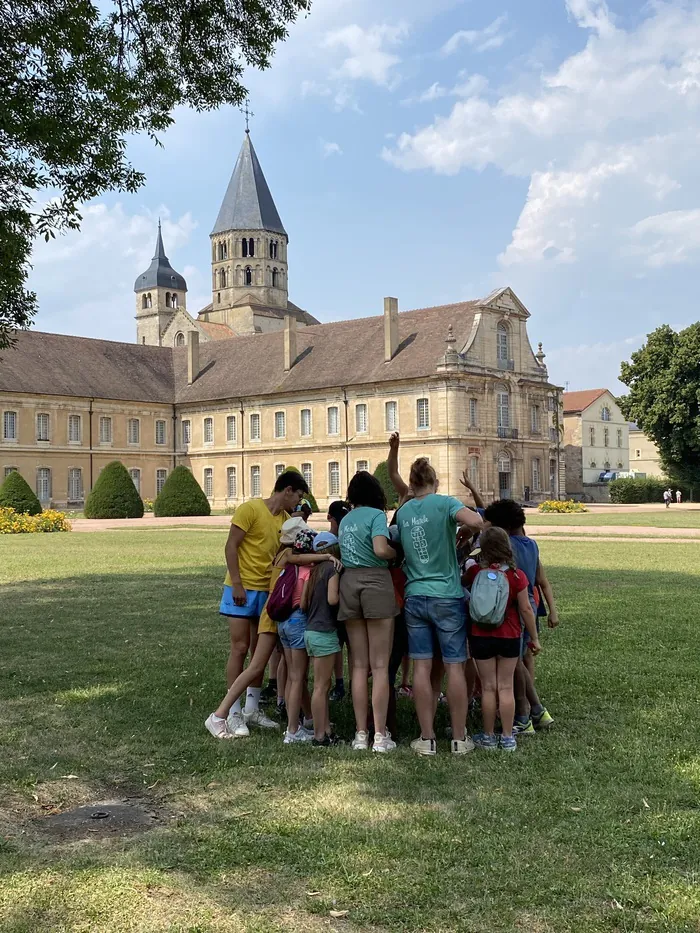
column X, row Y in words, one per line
column 99, row 820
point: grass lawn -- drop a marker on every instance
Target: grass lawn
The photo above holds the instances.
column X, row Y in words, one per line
column 113, row 654
column 666, row 519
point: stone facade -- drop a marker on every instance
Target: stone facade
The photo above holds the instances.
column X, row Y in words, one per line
column 595, row 437
column 643, row 453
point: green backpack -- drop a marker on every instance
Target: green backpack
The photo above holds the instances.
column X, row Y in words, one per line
column 489, row 598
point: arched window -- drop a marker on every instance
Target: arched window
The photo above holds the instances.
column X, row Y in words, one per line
column 244, row 247
column 173, row 300
column 605, row 413
column 144, row 301
column 275, row 278
column 167, row 299
column 251, row 247
column 222, row 278
column 248, row 275
column 502, row 343
column 179, row 339
column 149, row 301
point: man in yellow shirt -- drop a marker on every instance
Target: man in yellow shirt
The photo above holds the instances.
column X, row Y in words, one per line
column 252, row 543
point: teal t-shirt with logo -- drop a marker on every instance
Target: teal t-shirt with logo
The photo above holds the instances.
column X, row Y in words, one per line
column 355, row 535
column 428, row 536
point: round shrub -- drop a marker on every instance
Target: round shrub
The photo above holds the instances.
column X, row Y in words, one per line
column 309, row 496
column 16, row 493
column 382, row 474
column 181, row 495
column 114, row 495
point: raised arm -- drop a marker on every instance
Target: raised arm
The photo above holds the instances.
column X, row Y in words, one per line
column 467, row 483
column 233, row 542
column 392, row 463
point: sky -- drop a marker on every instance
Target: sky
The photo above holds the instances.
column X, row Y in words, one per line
column 434, row 152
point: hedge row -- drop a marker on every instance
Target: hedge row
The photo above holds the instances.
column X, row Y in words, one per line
column 651, row 489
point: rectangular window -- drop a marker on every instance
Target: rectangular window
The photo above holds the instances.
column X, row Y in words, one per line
column 9, row 470
column 255, row 428
column 42, row 427
column 160, row 432
column 334, row 478
column 361, row 418
column 74, row 429
column 333, row 420
column 536, row 482
column 255, row 481
column 43, row 484
column 534, row 419
column 280, row 424
column 307, row 473
column 208, row 430
column 606, row 437
column 473, row 412
column 391, row 416
column 75, row 485
column 208, row 482
column 231, row 429
column 422, row 414
column 306, row 422
column 637, row 453
column 186, row 433
column 279, row 470
column 591, row 435
column 474, row 471
column 231, row 483
column 134, row 431
column 161, row 476
column 135, row 475
column 9, row 426
column 105, row 430
column 361, row 465
column 619, row 437
column 503, row 410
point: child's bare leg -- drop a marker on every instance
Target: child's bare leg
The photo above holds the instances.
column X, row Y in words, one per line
column 505, row 670
column 489, row 691
column 323, row 669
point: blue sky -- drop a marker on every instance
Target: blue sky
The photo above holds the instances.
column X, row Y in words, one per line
column 434, row 152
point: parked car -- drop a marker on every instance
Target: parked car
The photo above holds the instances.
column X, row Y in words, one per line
column 607, row 476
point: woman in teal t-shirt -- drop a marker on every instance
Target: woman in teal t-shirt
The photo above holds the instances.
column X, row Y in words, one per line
column 367, row 605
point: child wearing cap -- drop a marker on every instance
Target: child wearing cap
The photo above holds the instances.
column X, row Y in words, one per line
column 320, row 602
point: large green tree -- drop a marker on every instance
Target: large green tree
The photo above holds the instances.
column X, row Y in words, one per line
column 77, row 78
column 664, row 398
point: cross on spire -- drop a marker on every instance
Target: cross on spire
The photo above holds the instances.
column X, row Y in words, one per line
column 248, row 114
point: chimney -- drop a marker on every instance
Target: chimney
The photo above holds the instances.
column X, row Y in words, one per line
column 290, row 341
column 192, row 356
column 391, row 328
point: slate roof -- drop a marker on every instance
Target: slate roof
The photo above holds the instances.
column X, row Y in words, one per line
column 575, row 402
column 248, row 204
column 160, row 272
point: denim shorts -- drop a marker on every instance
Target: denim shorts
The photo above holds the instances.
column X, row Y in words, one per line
column 444, row 619
column 291, row 633
column 255, row 603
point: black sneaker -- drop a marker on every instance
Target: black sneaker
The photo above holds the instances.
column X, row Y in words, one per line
column 337, row 693
column 269, row 694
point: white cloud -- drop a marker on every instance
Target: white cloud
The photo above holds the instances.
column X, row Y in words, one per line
column 330, row 149
column 84, row 279
column 668, row 239
column 481, row 40
column 591, row 14
column 368, row 57
column 582, row 365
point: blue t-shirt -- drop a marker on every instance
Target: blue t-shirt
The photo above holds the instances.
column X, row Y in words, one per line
column 427, row 527
column 527, row 557
column 355, row 536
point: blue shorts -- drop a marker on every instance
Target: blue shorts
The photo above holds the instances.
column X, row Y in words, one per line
column 445, row 619
column 255, row 603
column 291, row 633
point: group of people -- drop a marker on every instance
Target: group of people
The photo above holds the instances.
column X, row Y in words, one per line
column 668, row 497
column 458, row 590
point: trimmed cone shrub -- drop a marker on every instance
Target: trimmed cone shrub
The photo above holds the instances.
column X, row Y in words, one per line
column 16, row 493
column 114, row 495
column 382, row 474
column 181, row 495
column 309, row 496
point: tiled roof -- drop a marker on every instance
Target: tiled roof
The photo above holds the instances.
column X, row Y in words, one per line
column 579, row 401
column 216, row 331
column 54, row 364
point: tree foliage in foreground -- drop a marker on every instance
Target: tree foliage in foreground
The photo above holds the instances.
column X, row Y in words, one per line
column 77, row 78
column 664, row 398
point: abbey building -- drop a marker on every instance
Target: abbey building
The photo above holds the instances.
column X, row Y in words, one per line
column 251, row 383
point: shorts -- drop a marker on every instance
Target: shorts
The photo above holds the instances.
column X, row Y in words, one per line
column 255, row 603
column 321, row 644
column 366, row 593
column 446, row 619
column 292, row 631
column 485, row 647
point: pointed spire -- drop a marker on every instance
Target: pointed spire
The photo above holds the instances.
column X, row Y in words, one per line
column 248, row 204
column 160, row 249
column 160, row 272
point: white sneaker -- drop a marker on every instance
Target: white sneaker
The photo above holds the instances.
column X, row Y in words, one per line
column 425, row 747
column 462, row 746
column 236, row 726
column 383, row 743
column 360, row 742
column 259, row 718
column 300, row 736
column 218, row 727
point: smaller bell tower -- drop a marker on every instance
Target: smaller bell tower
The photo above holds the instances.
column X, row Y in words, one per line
column 160, row 291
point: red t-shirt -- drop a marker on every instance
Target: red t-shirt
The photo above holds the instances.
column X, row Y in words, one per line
column 511, row 627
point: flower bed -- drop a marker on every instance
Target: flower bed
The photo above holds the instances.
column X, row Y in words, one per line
column 17, row 523
column 554, row 505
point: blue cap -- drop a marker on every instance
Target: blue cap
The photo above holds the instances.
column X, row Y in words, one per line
column 323, row 540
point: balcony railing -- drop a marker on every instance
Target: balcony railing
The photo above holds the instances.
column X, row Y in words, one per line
column 506, row 364
column 511, row 433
